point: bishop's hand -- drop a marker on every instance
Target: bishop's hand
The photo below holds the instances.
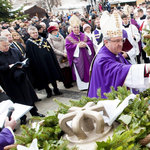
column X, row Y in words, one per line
column 82, row 44
column 124, row 54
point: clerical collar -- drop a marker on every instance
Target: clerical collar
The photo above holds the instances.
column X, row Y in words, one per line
column 126, row 26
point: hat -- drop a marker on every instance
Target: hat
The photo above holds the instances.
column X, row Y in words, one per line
column 74, row 21
column 111, row 26
column 52, row 28
column 16, row 28
column 17, row 75
column 85, row 26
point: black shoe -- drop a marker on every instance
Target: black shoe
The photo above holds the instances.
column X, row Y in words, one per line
column 49, row 95
column 39, row 99
column 38, row 114
column 57, row 92
column 48, row 91
column 71, row 85
column 23, row 120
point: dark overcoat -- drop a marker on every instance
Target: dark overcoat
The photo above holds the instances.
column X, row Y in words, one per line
column 20, row 92
column 43, row 63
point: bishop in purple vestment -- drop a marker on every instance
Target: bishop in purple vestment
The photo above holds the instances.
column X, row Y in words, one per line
column 108, row 70
column 84, row 60
column 80, row 53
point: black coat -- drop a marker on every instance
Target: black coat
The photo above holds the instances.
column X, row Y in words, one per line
column 20, row 47
column 22, row 92
column 3, row 96
column 43, row 63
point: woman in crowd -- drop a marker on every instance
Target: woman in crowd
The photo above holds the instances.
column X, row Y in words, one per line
column 17, row 38
column 100, row 7
column 19, row 41
column 80, row 53
column 87, row 31
column 57, row 42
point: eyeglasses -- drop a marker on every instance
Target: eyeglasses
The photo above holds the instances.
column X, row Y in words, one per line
column 5, row 46
column 117, row 41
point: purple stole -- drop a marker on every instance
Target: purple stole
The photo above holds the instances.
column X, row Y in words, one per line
column 96, row 33
column 125, row 35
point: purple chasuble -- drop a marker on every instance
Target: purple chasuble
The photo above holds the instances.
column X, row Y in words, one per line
column 108, row 70
column 84, row 60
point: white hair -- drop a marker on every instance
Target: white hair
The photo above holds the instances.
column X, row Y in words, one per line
column 42, row 23
column 4, row 31
column 106, row 38
column 3, row 39
column 31, row 28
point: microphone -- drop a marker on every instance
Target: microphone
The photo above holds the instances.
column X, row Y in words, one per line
column 9, row 113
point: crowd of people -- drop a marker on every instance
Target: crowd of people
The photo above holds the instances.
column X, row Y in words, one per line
column 104, row 49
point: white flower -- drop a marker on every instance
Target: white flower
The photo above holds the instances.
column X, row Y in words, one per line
column 33, row 146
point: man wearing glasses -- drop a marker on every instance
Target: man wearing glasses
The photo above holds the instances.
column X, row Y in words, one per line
column 110, row 68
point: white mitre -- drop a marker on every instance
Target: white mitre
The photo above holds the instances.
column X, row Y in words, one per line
column 74, row 21
column 111, row 26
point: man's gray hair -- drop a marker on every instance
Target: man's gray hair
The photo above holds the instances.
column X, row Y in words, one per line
column 31, row 28
column 42, row 23
column 106, row 38
column 3, row 39
column 4, row 31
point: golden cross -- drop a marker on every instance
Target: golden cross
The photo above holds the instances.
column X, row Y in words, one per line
column 48, row 46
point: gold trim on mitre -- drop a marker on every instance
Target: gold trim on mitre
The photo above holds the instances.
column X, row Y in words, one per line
column 74, row 21
column 111, row 26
